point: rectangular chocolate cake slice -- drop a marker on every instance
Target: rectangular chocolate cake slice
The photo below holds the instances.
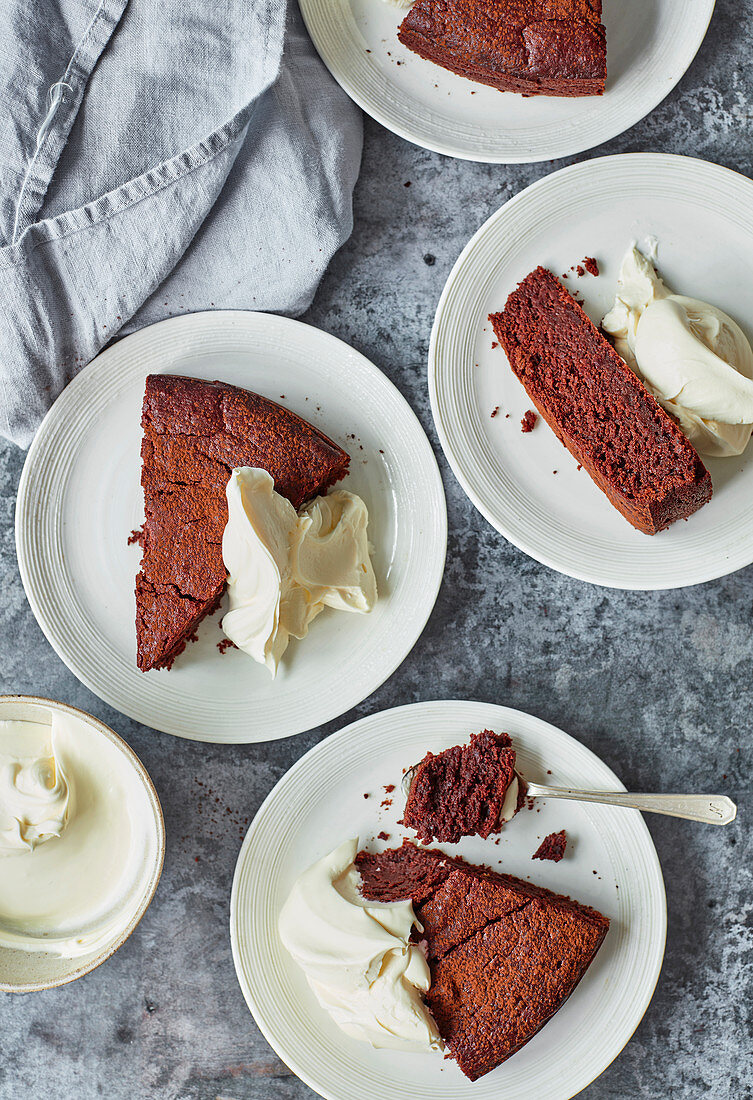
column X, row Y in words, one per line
column 536, row 47
column 504, row 955
column 598, row 408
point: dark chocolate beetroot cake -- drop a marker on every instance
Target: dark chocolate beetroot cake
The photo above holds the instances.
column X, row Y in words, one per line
column 460, row 792
column 504, row 955
column 598, row 408
column 537, row 47
column 552, row 847
column 195, row 434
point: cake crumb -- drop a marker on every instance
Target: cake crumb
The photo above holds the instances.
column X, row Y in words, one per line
column 552, row 847
column 580, row 270
column 591, row 265
column 383, row 835
column 495, row 411
column 495, row 344
column 389, row 788
column 386, row 803
column 136, row 535
column 528, row 423
column 365, row 796
column 225, row 645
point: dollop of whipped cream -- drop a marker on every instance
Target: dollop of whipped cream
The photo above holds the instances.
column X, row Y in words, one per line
column 74, row 841
column 510, row 802
column 692, row 357
column 34, row 798
column 357, row 955
column 284, row 567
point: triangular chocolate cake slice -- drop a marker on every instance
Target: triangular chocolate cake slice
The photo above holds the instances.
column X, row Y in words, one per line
column 504, row 955
column 537, row 47
column 195, row 434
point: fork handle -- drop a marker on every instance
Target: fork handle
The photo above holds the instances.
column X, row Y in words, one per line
column 714, row 809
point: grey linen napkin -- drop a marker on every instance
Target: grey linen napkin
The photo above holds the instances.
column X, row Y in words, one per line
column 157, row 158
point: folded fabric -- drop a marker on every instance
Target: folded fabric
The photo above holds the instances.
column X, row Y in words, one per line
column 157, row 159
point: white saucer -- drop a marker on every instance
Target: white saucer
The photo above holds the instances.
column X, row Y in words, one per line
column 700, row 215
column 80, row 497
column 610, row 863
column 650, row 44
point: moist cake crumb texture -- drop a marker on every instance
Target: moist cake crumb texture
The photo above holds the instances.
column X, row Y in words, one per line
column 552, row 847
column 598, row 408
column 460, row 792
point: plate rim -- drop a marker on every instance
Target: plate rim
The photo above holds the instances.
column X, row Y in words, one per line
column 713, row 571
column 370, row 105
column 458, row 706
column 25, row 505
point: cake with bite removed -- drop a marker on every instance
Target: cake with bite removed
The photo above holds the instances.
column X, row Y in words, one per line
column 195, row 433
column 504, row 955
column 598, row 408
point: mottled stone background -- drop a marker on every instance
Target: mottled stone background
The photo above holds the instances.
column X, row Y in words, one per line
column 658, row 684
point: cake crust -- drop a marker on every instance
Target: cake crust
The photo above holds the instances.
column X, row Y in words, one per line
column 535, row 47
column 598, row 408
column 504, row 955
column 194, row 434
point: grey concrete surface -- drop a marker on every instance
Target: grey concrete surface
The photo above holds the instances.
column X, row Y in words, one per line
column 658, row 684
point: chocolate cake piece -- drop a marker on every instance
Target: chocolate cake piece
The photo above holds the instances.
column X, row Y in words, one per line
column 552, row 847
column 504, row 955
column 536, row 47
column 461, row 791
column 195, row 434
column 598, row 408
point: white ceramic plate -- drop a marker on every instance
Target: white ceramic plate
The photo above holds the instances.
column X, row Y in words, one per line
column 80, row 496
column 650, row 44
column 705, row 250
column 610, row 863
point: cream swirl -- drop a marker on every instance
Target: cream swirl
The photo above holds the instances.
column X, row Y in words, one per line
column 357, row 955
column 34, row 798
column 285, row 567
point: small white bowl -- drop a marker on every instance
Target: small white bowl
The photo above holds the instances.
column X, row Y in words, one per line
column 29, row 971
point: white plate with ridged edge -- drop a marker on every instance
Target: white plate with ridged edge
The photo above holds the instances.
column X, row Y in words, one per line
column 701, row 215
column 80, row 496
column 610, row 863
column 650, row 44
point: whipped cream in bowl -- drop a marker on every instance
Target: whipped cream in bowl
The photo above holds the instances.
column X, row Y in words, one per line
column 81, row 843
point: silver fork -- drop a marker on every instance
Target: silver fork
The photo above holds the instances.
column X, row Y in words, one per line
column 713, row 809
